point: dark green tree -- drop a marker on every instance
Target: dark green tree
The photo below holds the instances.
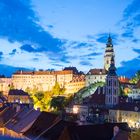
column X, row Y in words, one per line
column 58, row 102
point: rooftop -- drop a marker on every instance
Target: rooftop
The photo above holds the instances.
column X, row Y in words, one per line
column 43, row 72
column 18, row 92
column 97, row 72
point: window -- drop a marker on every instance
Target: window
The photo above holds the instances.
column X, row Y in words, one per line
column 109, row 83
column 115, row 83
column 109, row 91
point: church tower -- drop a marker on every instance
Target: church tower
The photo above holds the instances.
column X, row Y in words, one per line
column 112, row 86
column 109, row 53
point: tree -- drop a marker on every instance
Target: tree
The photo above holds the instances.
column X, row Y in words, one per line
column 136, row 78
column 43, row 100
column 60, row 102
column 11, row 86
column 38, row 100
column 28, row 90
column 57, row 90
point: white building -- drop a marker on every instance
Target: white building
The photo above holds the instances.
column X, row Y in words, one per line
column 134, row 94
column 95, row 75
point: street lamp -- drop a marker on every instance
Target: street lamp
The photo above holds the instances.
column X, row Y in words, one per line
column 75, row 109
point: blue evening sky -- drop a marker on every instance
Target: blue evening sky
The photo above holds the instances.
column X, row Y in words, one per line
column 44, row 34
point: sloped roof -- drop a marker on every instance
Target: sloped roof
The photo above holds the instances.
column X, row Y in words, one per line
column 63, row 130
column 127, row 106
column 43, row 122
column 18, row 92
column 6, row 115
column 97, row 72
column 97, row 98
column 23, row 120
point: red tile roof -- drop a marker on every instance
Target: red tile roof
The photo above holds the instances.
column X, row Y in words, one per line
column 43, row 72
column 123, row 79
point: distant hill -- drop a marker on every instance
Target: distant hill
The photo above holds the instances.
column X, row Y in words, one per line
column 8, row 70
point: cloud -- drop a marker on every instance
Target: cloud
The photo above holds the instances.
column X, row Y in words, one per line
column 102, row 38
column 13, row 52
column 27, row 48
column 93, row 54
column 91, row 37
column 58, row 65
column 137, row 50
column 35, row 59
column 1, row 55
column 131, row 9
column 136, row 40
column 128, row 33
column 18, row 22
column 126, row 68
column 131, row 19
column 85, row 63
column 50, row 26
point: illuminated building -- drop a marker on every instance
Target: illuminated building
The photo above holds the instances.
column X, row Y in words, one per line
column 5, row 85
column 77, row 83
column 126, row 112
column 45, row 80
column 18, row 96
column 42, row 80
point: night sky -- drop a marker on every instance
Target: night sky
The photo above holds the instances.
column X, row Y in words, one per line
column 53, row 34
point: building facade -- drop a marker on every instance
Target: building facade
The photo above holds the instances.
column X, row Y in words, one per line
column 76, row 84
column 18, row 96
column 42, row 80
column 45, row 80
column 112, row 86
column 5, row 84
column 95, row 75
column 129, row 113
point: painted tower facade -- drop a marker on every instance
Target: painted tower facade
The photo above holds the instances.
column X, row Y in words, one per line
column 109, row 53
column 112, row 86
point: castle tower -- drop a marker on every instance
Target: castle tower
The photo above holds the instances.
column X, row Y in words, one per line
column 109, row 53
column 112, row 86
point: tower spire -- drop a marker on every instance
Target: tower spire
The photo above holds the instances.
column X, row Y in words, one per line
column 112, row 68
column 109, row 53
column 109, row 41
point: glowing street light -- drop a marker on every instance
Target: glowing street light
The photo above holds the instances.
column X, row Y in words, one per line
column 75, row 109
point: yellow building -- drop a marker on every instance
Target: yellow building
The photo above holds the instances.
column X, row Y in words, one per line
column 18, row 96
column 129, row 113
column 76, row 84
column 5, row 85
column 43, row 80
